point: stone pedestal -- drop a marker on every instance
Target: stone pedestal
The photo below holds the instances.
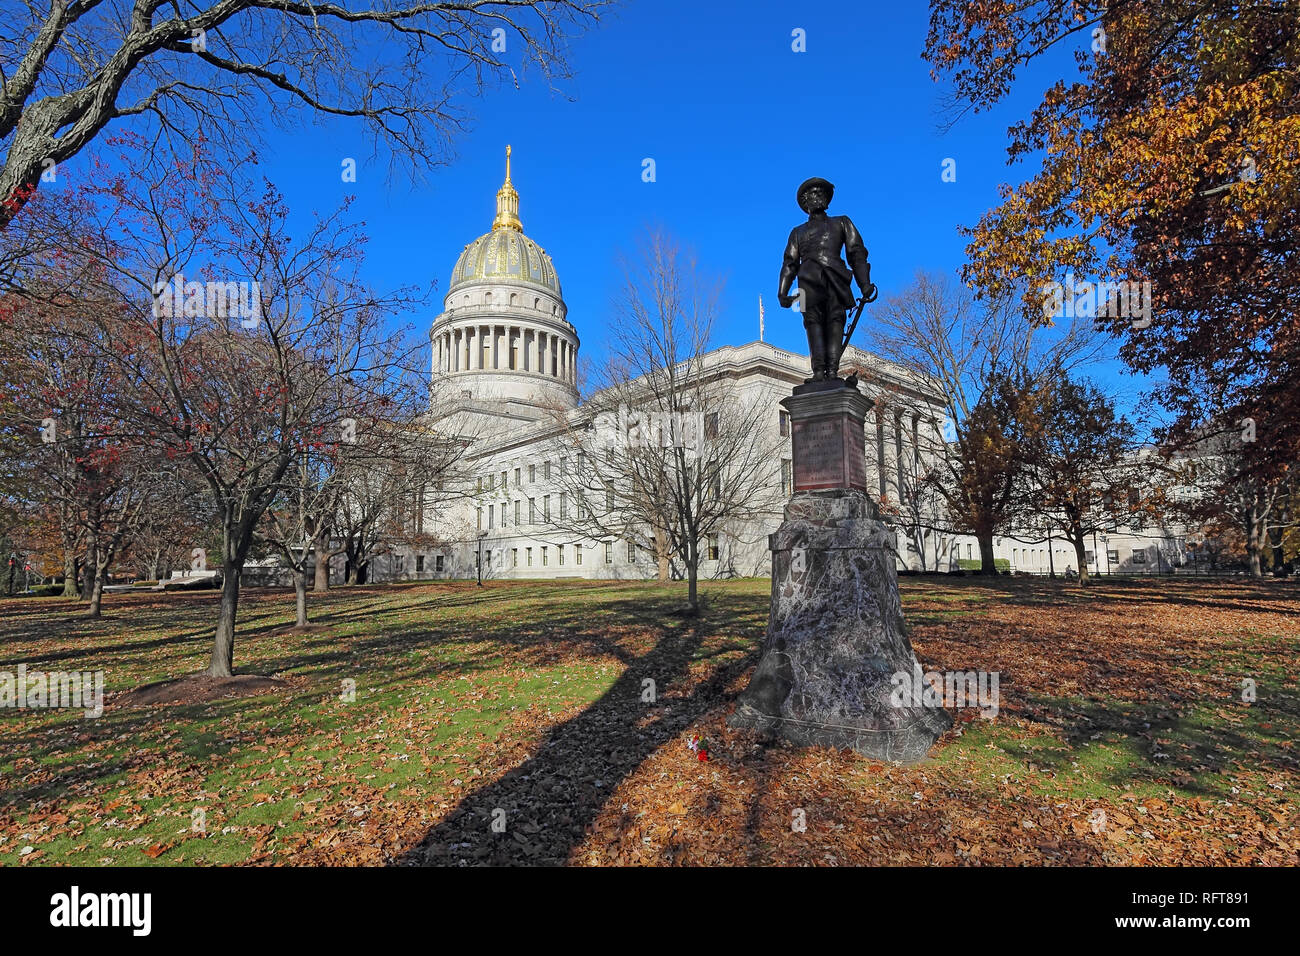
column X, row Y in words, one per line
column 826, row 436
column 835, row 635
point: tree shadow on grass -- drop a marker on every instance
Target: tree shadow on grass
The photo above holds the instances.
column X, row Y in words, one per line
column 548, row 802
column 1168, row 743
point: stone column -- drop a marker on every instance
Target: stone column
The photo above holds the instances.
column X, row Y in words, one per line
column 899, row 462
column 836, row 654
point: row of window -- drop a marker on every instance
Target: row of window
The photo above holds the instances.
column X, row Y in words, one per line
column 489, row 481
column 1024, row 556
column 544, row 554
column 533, row 511
column 399, row 563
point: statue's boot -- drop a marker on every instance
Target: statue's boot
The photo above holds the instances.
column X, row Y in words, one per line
column 834, row 337
column 816, row 349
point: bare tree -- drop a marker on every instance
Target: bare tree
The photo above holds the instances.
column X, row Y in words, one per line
column 70, row 68
column 1219, row 491
column 239, row 392
column 668, row 454
column 984, row 358
column 393, row 484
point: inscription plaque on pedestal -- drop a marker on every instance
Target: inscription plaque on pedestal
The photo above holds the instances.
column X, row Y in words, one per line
column 827, row 441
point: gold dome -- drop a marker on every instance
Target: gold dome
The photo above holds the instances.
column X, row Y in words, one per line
column 505, row 254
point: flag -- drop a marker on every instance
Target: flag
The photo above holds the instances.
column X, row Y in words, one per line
column 760, row 316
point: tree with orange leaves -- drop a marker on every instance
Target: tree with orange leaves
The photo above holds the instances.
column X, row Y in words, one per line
column 1170, row 157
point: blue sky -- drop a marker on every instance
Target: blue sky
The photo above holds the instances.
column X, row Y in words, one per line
column 733, row 118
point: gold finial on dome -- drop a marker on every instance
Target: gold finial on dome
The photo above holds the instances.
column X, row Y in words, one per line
column 507, row 203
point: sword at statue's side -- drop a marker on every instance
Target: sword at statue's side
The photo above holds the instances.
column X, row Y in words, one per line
column 857, row 314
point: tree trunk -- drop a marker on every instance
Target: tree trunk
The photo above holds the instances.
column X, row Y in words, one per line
column 69, row 574
column 1279, row 555
column 987, row 564
column 322, row 580
column 300, row 589
column 97, row 591
column 1255, row 518
column 692, row 582
column 223, row 641
column 88, row 564
column 661, row 554
column 1081, row 555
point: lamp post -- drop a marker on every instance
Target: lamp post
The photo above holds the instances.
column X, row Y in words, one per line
column 481, row 536
column 1105, row 543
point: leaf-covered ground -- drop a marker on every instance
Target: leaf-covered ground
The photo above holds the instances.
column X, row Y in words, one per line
column 1122, row 736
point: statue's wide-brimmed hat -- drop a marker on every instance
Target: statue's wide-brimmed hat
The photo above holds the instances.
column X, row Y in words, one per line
column 808, row 184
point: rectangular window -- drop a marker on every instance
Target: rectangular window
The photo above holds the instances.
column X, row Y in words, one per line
column 1092, row 558
column 784, row 419
column 532, row 511
column 713, row 547
column 491, row 482
column 528, row 556
column 559, row 554
column 544, row 558
column 1139, row 557
column 419, row 563
column 503, row 514
column 516, row 511
column 582, row 504
column 516, row 477
column 532, row 474
column 437, row 563
column 503, row 479
column 564, row 467
column 609, row 499
column 479, row 486
column 711, row 425
column 514, row 557
column 399, row 563
column 546, row 508
column 1112, row 556
column 564, row 506
column 546, row 470
column 577, row 553
column 631, row 551
column 480, row 520
column 582, row 463
column 609, row 552
column 492, row 510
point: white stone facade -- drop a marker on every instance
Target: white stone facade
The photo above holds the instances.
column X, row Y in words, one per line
column 505, row 361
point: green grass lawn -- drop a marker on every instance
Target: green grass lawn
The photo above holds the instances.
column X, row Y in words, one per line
column 527, row 701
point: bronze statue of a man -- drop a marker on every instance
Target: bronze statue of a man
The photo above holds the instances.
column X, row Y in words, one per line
column 812, row 255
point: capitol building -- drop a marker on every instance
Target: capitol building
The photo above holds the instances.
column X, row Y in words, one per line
column 504, row 377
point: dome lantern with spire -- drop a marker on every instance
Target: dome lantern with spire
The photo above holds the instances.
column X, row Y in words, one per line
column 505, row 254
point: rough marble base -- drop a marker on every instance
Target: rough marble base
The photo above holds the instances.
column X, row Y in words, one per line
column 835, row 637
